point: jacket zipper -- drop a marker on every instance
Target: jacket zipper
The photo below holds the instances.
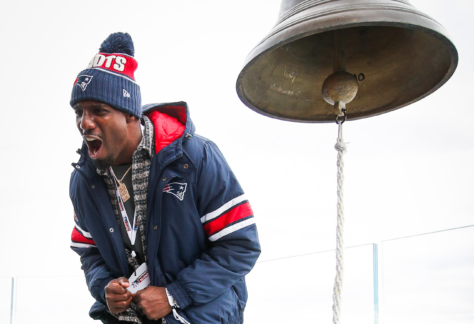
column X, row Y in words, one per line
column 175, row 308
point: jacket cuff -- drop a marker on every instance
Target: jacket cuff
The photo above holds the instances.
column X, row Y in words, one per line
column 179, row 294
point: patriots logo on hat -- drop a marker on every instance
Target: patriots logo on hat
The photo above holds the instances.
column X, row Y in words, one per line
column 177, row 189
column 83, row 81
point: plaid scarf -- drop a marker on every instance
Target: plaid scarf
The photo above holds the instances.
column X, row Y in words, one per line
column 141, row 162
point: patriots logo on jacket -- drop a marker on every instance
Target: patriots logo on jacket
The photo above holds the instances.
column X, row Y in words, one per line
column 176, row 188
column 83, row 81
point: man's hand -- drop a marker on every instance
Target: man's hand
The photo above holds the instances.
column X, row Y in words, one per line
column 153, row 302
column 118, row 298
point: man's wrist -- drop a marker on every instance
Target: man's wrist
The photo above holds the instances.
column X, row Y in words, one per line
column 102, row 289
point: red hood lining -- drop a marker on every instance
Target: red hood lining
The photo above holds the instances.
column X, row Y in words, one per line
column 177, row 112
column 169, row 123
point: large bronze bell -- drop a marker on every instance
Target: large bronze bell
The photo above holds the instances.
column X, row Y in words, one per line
column 397, row 54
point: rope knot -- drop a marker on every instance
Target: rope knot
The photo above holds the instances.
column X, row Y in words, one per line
column 341, row 146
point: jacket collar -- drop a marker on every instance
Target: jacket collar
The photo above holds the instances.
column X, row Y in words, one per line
column 180, row 111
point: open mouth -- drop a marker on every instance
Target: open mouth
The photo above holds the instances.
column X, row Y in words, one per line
column 94, row 145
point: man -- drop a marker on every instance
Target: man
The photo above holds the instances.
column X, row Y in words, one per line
column 156, row 203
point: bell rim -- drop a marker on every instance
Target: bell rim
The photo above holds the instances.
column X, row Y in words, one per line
column 439, row 33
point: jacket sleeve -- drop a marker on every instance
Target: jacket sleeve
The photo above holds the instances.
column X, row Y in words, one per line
column 229, row 224
column 96, row 271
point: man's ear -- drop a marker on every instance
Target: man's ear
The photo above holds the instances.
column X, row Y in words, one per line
column 132, row 118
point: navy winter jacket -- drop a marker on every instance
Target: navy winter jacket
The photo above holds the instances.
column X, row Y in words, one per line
column 201, row 235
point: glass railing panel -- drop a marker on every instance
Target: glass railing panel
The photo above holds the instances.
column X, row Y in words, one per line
column 5, row 299
column 299, row 289
column 429, row 278
column 52, row 300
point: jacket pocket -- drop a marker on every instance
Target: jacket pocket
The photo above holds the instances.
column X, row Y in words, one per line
column 231, row 312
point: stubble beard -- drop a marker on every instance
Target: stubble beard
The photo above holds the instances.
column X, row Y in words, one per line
column 104, row 163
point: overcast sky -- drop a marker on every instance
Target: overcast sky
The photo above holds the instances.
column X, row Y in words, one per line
column 407, row 172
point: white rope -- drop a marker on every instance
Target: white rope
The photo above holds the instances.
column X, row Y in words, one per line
column 341, row 149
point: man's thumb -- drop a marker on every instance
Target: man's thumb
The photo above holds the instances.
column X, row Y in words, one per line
column 124, row 282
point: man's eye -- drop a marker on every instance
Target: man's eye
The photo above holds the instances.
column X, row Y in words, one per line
column 100, row 111
column 78, row 113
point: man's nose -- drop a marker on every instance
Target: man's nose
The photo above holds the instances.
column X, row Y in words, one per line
column 87, row 122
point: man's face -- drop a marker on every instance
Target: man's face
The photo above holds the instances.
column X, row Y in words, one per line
column 103, row 128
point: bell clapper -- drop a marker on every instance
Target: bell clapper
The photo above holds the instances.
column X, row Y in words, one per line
column 341, row 87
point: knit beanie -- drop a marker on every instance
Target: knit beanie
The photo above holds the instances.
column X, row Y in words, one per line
column 109, row 77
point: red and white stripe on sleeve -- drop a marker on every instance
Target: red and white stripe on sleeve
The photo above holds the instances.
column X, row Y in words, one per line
column 81, row 238
column 230, row 217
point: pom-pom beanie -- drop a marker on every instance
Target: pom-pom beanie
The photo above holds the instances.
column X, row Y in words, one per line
column 109, row 77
